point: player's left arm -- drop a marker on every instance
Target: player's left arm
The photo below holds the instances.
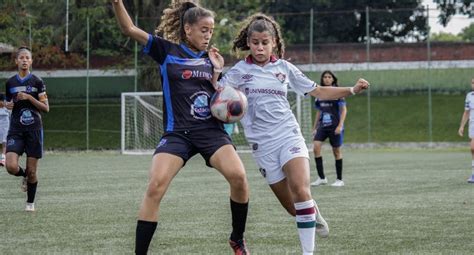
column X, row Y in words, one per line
column 342, row 118
column 333, row 93
column 464, row 119
column 41, row 103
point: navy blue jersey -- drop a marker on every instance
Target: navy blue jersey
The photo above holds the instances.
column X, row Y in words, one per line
column 330, row 112
column 187, row 88
column 25, row 116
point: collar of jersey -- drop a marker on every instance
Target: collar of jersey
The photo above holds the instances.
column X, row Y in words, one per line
column 249, row 59
column 190, row 52
column 22, row 80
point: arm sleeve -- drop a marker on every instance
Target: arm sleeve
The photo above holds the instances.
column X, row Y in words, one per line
column 230, row 78
column 157, row 48
column 298, row 81
column 342, row 102
column 41, row 86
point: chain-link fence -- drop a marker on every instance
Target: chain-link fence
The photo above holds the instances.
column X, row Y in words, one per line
column 417, row 85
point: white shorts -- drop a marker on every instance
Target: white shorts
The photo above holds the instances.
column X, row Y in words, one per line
column 3, row 134
column 271, row 165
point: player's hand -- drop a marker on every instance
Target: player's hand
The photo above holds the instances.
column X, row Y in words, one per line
column 9, row 105
column 216, row 59
column 461, row 131
column 23, row 96
column 338, row 130
column 361, row 85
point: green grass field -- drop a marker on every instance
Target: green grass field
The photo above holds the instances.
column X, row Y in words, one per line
column 409, row 201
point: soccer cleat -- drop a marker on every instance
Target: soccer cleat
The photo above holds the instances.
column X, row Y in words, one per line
column 319, row 181
column 471, row 180
column 338, row 183
column 24, row 185
column 239, row 247
column 322, row 227
column 30, row 207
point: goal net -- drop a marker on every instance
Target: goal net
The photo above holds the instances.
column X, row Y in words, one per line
column 142, row 121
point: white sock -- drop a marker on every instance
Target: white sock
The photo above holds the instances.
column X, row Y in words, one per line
column 306, row 224
column 472, row 167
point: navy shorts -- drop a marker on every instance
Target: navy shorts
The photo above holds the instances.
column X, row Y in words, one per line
column 186, row 144
column 334, row 140
column 29, row 142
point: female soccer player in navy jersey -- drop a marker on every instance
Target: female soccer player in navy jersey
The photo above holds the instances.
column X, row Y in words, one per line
column 329, row 123
column 26, row 97
column 269, row 125
column 186, row 72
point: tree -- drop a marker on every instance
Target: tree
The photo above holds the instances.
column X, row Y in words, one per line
column 448, row 8
column 446, row 37
column 467, row 34
column 344, row 21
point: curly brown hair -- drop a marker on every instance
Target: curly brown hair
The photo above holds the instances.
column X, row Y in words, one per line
column 176, row 16
column 259, row 22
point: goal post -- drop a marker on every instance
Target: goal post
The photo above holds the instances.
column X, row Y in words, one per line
column 142, row 121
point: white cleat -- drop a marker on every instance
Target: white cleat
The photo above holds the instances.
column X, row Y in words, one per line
column 319, row 181
column 471, row 180
column 338, row 183
column 322, row 227
column 30, row 207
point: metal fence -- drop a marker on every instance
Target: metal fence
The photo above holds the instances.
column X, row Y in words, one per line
column 417, row 86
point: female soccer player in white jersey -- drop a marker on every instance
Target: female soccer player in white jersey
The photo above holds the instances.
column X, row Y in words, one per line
column 186, row 73
column 269, row 124
column 469, row 115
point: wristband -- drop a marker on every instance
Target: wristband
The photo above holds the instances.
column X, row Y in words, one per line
column 352, row 91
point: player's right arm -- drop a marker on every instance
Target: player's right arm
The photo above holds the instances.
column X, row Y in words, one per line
column 465, row 117
column 126, row 25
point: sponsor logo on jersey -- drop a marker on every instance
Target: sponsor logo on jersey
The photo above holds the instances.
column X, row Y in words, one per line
column 247, row 78
column 281, row 77
column 295, row 150
column 200, row 108
column 188, row 74
column 26, row 117
column 267, row 91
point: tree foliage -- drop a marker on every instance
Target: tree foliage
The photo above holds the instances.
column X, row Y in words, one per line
column 448, row 8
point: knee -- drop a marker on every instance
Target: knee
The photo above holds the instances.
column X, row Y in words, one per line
column 12, row 168
column 32, row 177
column 301, row 193
column 239, row 181
column 155, row 190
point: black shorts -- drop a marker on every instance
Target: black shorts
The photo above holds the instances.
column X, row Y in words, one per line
column 30, row 142
column 334, row 140
column 186, row 144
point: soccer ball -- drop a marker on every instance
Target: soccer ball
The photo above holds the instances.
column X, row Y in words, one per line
column 228, row 104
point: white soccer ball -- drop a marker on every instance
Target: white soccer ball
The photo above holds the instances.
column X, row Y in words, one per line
column 228, row 104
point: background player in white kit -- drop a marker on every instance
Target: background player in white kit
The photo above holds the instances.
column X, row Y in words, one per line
column 269, row 124
column 4, row 124
column 469, row 115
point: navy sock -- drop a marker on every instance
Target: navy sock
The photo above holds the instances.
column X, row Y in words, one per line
column 319, row 167
column 21, row 172
column 339, row 169
column 239, row 219
column 31, row 192
column 144, row 234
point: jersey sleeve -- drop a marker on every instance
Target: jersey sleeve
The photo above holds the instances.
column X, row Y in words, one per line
column 317, row 105
column 467, row 102
column 157, row 48
column 41, row 86
column 230, row 78
column 342, row 102
column 298, row 81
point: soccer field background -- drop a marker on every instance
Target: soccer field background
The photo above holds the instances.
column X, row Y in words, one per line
column 395, row 201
